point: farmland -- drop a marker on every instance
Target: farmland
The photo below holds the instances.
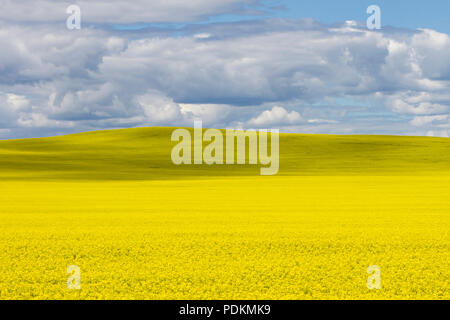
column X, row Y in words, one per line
column 140, row 227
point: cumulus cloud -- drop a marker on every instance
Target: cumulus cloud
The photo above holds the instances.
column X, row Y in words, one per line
column 419, row 103
column 159, row 109
column 39, row 120
column 210, row 114
column 17, row 103
column 442, row 120
column 276, row 116
column 296, row 75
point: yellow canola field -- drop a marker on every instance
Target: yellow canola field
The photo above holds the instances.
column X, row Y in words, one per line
column 139, row 228
column 252, row 238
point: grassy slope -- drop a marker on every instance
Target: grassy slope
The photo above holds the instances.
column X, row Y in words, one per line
column 144, row 154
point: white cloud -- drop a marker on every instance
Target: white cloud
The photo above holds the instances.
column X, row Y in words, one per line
column 276, row 116
column 99, row 78
column 38, row 120
column 438, row 133
column 16, row 102
column 202, row 36
column 415, row 105
column 210, row 114
column 322, row 121
column 423, row 121
column 159, row 109
column 119, row 11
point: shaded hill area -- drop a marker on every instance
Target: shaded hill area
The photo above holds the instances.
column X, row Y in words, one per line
column 145, row 154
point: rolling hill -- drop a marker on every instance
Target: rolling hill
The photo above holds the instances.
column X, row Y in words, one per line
column 144, row 154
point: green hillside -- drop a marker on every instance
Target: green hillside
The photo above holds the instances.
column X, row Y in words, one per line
column 144, row 154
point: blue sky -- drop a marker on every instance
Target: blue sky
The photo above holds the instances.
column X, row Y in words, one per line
column 297, row 66
column 434, row 14
column 414, row 14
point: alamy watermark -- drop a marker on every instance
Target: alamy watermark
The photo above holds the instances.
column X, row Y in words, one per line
column 374, row 21
column 374, row 280
column 213, row 153
column 74, row 280
column 74, row 20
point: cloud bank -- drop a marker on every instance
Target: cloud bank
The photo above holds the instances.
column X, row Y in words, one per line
column 120, row 11
column 295, row 75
